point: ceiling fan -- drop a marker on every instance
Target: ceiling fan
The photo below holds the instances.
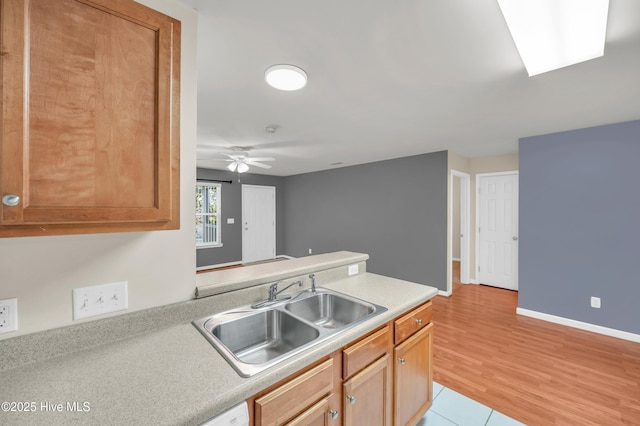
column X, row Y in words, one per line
column 240, row 160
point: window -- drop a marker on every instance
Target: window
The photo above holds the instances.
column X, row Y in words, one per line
column 208, row 214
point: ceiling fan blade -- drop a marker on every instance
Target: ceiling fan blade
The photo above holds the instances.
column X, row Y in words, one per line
column 216, row 159
column 253, row 163
column 261, row 159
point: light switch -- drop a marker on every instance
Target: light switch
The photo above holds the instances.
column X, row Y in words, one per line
column 100, row 299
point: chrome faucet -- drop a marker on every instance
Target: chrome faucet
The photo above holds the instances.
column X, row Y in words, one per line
column 273, row 294
column 313, row 283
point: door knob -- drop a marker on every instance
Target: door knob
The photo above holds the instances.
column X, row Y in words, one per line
column 515, row 238
column 352, row 399
column 333, row 414
column 11, row 200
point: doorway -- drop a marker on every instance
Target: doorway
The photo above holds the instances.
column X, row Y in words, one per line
column 497, row 230
column 460, row 216
column 258, row 223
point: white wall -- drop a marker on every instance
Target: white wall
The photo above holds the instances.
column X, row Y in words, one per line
column 159, row 266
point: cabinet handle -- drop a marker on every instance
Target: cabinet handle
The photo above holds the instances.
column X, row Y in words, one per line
column 402, row 361
column 419, row 321
column 352, row 399
column 333, row 414
column 11, row 200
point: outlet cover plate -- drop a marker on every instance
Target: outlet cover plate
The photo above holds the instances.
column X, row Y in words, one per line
column 353, row 269
column 595, row 302
column 8, row 315
column 100, row 299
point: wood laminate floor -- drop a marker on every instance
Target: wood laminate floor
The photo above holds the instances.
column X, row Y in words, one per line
column 455, row 275
column 242, row 265
column 536, row 372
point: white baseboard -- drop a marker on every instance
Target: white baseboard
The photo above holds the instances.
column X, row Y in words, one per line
column 581, row 325
column 285, row 256
column 473, row 281
column 444, row 293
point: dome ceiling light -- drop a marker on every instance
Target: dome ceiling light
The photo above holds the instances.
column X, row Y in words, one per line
column 286, row 77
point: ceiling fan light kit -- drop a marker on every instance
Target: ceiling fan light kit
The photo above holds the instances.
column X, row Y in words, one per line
column 552, row 34
column 240, row 160
column 286, row 77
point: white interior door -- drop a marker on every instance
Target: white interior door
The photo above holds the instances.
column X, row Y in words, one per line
column 498, row 230
column 258, row 223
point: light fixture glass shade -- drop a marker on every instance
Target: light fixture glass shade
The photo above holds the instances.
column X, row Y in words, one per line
column 286, row 77
column 232, row 166
column 242, row 167
column 552, row 34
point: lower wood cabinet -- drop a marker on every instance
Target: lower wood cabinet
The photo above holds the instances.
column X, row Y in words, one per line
column 320, row 414
column 413, row 377
column 293, row 398
column 384, row 378
column 367, row 395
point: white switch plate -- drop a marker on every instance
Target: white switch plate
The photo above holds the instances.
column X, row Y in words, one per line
column 8, row 315
column 231, row 221
column 595, row 302
column 100, row 299
column 353, row 269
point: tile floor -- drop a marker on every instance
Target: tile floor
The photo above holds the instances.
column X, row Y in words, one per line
column 450, row 408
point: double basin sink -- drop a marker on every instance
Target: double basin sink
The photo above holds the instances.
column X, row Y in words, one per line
column 252, row 340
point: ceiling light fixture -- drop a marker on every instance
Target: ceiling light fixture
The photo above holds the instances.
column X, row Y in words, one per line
column 241, row 166
column 286, row 77
column 552, row 34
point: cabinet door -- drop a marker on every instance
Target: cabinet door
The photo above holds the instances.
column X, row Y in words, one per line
column 90, row 117
column 295, row 396
column 413, row 377
column 320, row 414
column 367, row 396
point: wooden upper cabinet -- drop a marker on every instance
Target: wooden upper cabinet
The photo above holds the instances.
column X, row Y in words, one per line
column 90, row 117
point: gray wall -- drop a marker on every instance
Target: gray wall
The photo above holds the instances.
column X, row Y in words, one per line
column 231, row 235
column 394, row 210
column 579, row 229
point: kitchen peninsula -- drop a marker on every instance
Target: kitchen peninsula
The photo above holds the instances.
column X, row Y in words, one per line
column 154, row 367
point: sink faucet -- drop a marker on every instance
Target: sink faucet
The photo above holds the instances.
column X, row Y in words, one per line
column 313, row 283
column 273, row 294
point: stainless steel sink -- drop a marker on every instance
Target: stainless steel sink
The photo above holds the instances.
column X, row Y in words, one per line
column 252, row 340
column 330, row 310
column 263, row 336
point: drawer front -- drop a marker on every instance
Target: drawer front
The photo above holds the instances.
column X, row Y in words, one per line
column 284, row 402
column 358, row 356
column 415, row 320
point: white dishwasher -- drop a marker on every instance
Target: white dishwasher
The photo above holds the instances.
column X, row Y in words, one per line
column 235, row 416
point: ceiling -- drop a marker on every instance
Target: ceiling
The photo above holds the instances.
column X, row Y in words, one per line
column 393, row 78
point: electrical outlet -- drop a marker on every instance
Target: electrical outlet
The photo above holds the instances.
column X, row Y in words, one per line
column 595, row 302
column 353, row 269
column 100, row 299
column 310, row 251
column 8, row 315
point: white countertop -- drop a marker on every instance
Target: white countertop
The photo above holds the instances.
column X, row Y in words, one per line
column 172, row 375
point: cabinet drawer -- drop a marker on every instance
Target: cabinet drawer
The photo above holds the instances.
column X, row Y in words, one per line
column 408, row 324
column 283, row 403
column 363, row 353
